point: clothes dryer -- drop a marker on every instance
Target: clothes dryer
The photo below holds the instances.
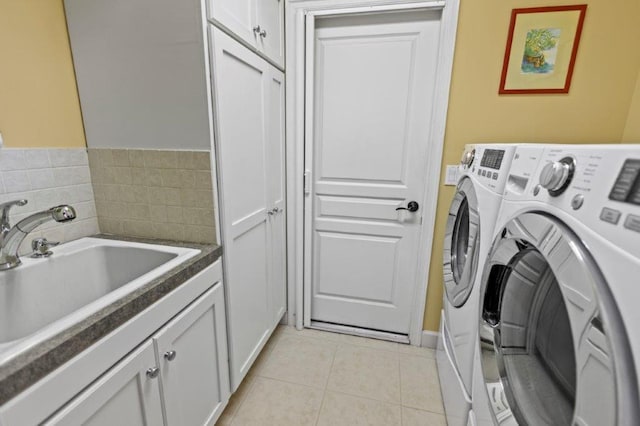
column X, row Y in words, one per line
column 472, row 215
column 558, row 338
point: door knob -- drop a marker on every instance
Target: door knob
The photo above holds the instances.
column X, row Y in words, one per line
column 412, row 206
column 170, row 355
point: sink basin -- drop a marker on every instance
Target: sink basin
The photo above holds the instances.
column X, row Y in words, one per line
column 45, row 296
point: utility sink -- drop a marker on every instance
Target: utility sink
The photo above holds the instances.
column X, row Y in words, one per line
column 43, row 297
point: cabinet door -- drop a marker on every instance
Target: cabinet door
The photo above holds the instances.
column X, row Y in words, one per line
column 125, row 395
column 239, row 83
column 239, row 16
column 192, row 356
column 276, row 191
column 270, row 17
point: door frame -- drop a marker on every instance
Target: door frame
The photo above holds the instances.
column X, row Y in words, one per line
column 300, row 24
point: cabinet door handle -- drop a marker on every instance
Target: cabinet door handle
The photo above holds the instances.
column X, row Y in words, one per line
column 263, row 33
column 257, row 30
column 274, row 211
column 170, row 355
column 153, row 372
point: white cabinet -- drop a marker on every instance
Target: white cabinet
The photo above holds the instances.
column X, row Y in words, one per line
column 249, row 108
column 275, row 190
column 270, row 18
column 125, row 395
column 180, row 372
column 259, row 23
column 192, row 357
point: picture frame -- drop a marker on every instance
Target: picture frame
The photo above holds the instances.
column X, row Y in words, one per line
column 541, row 50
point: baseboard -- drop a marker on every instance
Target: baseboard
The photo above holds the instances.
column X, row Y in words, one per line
column 429, row 339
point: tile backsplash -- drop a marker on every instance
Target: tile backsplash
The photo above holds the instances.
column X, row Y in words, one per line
column 47, row 178
column 154, row 194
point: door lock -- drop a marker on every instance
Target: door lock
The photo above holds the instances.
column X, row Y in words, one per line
column 412, row 206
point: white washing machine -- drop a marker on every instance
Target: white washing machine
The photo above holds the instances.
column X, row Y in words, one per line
column 482, row 177
column 558, row 334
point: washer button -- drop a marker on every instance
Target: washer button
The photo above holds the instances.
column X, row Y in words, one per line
column 577, row 201
column 610, row 215
column 632, row 222
column 495, row 176
column 484, row 172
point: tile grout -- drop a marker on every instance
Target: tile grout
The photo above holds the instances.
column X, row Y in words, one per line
column 326, row 384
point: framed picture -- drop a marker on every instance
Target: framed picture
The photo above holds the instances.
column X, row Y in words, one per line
column 541, row 49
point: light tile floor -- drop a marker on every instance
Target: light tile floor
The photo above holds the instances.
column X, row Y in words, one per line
column 312, row 377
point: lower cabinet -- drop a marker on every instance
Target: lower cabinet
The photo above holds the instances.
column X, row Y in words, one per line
column 191, row 353
column 177, row 377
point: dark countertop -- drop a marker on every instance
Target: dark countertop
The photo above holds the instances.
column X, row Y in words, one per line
column 31, row 365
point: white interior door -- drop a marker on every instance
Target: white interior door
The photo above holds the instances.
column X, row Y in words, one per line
column 373, row 87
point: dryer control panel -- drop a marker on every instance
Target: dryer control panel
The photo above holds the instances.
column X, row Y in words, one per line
column 488, row 164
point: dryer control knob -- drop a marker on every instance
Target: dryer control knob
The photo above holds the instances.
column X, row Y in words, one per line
column 554, row 175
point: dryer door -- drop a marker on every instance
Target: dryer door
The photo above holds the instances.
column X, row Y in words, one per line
column 554, row 351
column 461, row 243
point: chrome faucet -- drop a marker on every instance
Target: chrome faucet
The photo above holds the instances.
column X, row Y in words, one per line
column 12, row 237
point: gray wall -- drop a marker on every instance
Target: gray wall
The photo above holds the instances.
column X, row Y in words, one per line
column 140, row 67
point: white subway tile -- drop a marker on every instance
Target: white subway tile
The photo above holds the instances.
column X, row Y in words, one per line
column 80, row 228
column 16, row 181
column 82, row 192
column 85, row 210
column 12, row 159
column 41, row 178
column 36, row 159
column 72, row 175
column 47, row 198
column 68, row 157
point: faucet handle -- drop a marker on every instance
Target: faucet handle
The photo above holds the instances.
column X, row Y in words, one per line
column 5, row 207
column 41, row 246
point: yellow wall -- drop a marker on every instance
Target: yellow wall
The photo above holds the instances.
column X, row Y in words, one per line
column 39, row 104
column 594, row 111
column 632, row 127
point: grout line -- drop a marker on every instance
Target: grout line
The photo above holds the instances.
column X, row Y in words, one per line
column 326, row 384
column 288, row 382
column 243, row 399
column 368, row 398
column 400, row 380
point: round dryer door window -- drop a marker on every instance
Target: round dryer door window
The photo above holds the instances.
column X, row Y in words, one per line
column 553, row 348
column 461, row 243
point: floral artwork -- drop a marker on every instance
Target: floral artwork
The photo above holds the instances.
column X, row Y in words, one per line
column 540, row 50
column 542, row 46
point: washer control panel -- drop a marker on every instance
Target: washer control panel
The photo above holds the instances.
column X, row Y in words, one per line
column 597, row 184
column 604, row 193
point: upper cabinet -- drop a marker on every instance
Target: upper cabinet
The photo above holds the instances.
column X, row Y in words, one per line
column 259, row 23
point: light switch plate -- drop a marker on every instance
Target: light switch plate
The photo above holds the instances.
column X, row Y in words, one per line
column 451, row 177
